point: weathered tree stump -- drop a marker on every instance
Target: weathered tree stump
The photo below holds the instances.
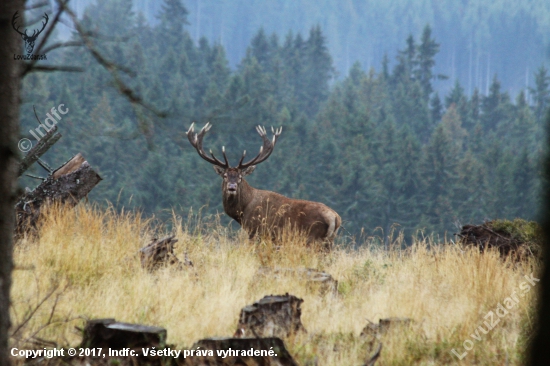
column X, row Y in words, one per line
column 242, row 351
column 108, row 333
column 67, row 185
column 159, row 253
column 320, row 280
column 272, row 316
column 517, row 239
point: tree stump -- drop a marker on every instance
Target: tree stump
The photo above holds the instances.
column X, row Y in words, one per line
column 272, row 316
column 160, row 253
column 234, row 348
column 67, row 185
column 108, row 333
column 316, row 280
column 518, row 239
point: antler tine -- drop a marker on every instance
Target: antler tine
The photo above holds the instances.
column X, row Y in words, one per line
column 191, row 129
column 196, row 140
column 224, row 156
column 265, row 150
column 242, row 158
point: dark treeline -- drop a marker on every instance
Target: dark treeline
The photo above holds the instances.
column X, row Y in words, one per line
column 380, row 147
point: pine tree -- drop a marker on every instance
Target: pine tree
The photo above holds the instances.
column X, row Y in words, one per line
column 262, row 50
column 473, row 117
column 318, row 71
column 173, row 17
column 541, row 93
column 495, row 106
column 427, row 49
column 436, row 108
column 439, row 169
column 525, row 197
column 406, row 63
column 459, row 99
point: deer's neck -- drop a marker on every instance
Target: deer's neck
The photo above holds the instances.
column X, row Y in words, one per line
column 235, row 205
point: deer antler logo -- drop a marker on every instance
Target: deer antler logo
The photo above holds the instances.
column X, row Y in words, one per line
column 29, row 40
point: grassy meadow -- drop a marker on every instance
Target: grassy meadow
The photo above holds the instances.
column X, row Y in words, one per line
column 84, row 264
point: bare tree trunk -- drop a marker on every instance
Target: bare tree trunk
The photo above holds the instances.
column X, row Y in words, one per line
column 9, row 156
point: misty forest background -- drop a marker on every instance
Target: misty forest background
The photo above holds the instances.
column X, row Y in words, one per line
column 393, row 140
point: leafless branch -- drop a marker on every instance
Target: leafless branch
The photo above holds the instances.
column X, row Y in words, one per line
column 32, row 64
column 52, row 68
column 113, row 69
column 62, row 45
column 34, row 310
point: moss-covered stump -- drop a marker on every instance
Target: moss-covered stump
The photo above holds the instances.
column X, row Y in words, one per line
column 518, row 238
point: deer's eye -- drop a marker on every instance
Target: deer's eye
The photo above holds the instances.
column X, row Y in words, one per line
column 225, row 176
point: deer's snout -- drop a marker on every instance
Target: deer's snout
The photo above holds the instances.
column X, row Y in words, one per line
column 232, row 188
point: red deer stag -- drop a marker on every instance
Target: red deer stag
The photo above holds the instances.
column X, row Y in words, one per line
column 257, row 210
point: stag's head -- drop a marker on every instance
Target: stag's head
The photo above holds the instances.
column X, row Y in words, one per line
column 232, row 177
column 29, row 40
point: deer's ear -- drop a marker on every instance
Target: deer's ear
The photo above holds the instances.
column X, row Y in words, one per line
column 248, row 170
column 219, row 170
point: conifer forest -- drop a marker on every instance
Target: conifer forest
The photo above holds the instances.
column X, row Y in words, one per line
column 392, row 141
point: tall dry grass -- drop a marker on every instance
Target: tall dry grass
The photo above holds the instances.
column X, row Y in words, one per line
column 90, row 254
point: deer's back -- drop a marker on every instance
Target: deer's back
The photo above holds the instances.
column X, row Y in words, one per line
column 274, row 210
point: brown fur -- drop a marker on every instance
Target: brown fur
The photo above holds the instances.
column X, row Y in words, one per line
column 259, row 212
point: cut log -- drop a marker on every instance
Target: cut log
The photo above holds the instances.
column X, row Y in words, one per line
column 69, row 166
column 67, row 185
column 318, row 280
column 241, row 351
column 108, row 333
column 272, row 316
column 160, row 253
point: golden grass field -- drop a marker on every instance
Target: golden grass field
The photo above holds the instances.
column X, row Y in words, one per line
column 90, row 254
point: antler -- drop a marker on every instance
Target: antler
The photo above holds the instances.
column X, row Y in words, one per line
column 15, row 16
column 265, row 150
column 196, row 140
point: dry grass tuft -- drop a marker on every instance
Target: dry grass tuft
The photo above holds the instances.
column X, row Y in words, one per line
column 448, row 292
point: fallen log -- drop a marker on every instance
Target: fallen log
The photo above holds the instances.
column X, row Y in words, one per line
column 66, row 185
column 272, row 316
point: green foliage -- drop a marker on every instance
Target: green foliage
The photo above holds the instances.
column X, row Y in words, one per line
column 529, row 232
column 380, row 148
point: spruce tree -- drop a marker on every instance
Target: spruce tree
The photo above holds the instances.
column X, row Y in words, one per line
column 541, row 93
column 427, row 49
